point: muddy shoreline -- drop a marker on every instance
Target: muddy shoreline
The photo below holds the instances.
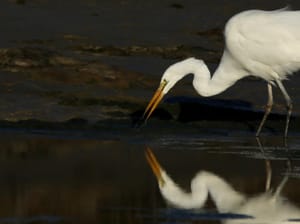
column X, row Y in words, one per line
column 85, row 74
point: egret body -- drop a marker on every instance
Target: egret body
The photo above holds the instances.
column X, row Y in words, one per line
column 265, row 44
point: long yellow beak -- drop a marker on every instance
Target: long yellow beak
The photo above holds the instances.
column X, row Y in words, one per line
column 155, row 166
column 158, row 95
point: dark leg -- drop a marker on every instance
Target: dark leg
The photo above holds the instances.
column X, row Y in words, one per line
column 289, row 106
column 284, row 180
column 268, row 167
column 268, row 109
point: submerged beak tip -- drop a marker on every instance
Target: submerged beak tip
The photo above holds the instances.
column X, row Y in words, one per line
column 157, row 97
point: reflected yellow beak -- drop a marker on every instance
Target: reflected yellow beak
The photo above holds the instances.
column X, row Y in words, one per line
column 155, row 166
column 158, row 95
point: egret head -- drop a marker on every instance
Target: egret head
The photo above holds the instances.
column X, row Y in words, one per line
column 170, row 77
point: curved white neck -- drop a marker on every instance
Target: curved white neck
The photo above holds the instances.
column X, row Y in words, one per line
column 227, row 73
column 224, row 196
column 179, row 198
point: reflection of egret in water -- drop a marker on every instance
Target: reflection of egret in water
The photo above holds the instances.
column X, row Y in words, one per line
column 267, row 207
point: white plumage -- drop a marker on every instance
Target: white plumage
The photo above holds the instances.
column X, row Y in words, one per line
column 264, row 44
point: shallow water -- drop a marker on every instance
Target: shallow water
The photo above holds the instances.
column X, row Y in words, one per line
column 63, row 178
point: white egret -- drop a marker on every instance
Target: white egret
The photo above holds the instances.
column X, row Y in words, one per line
column 266, row 207
column 265, row 44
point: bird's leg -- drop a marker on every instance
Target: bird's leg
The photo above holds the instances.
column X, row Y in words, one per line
column 281, row 185
column 285, row 178
column 268, row 166
column 268, row 109
column 289, row 106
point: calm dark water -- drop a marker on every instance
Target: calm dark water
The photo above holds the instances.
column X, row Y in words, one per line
column 61, row 178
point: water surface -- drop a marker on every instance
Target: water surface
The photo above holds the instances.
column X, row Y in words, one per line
column 69, row 179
